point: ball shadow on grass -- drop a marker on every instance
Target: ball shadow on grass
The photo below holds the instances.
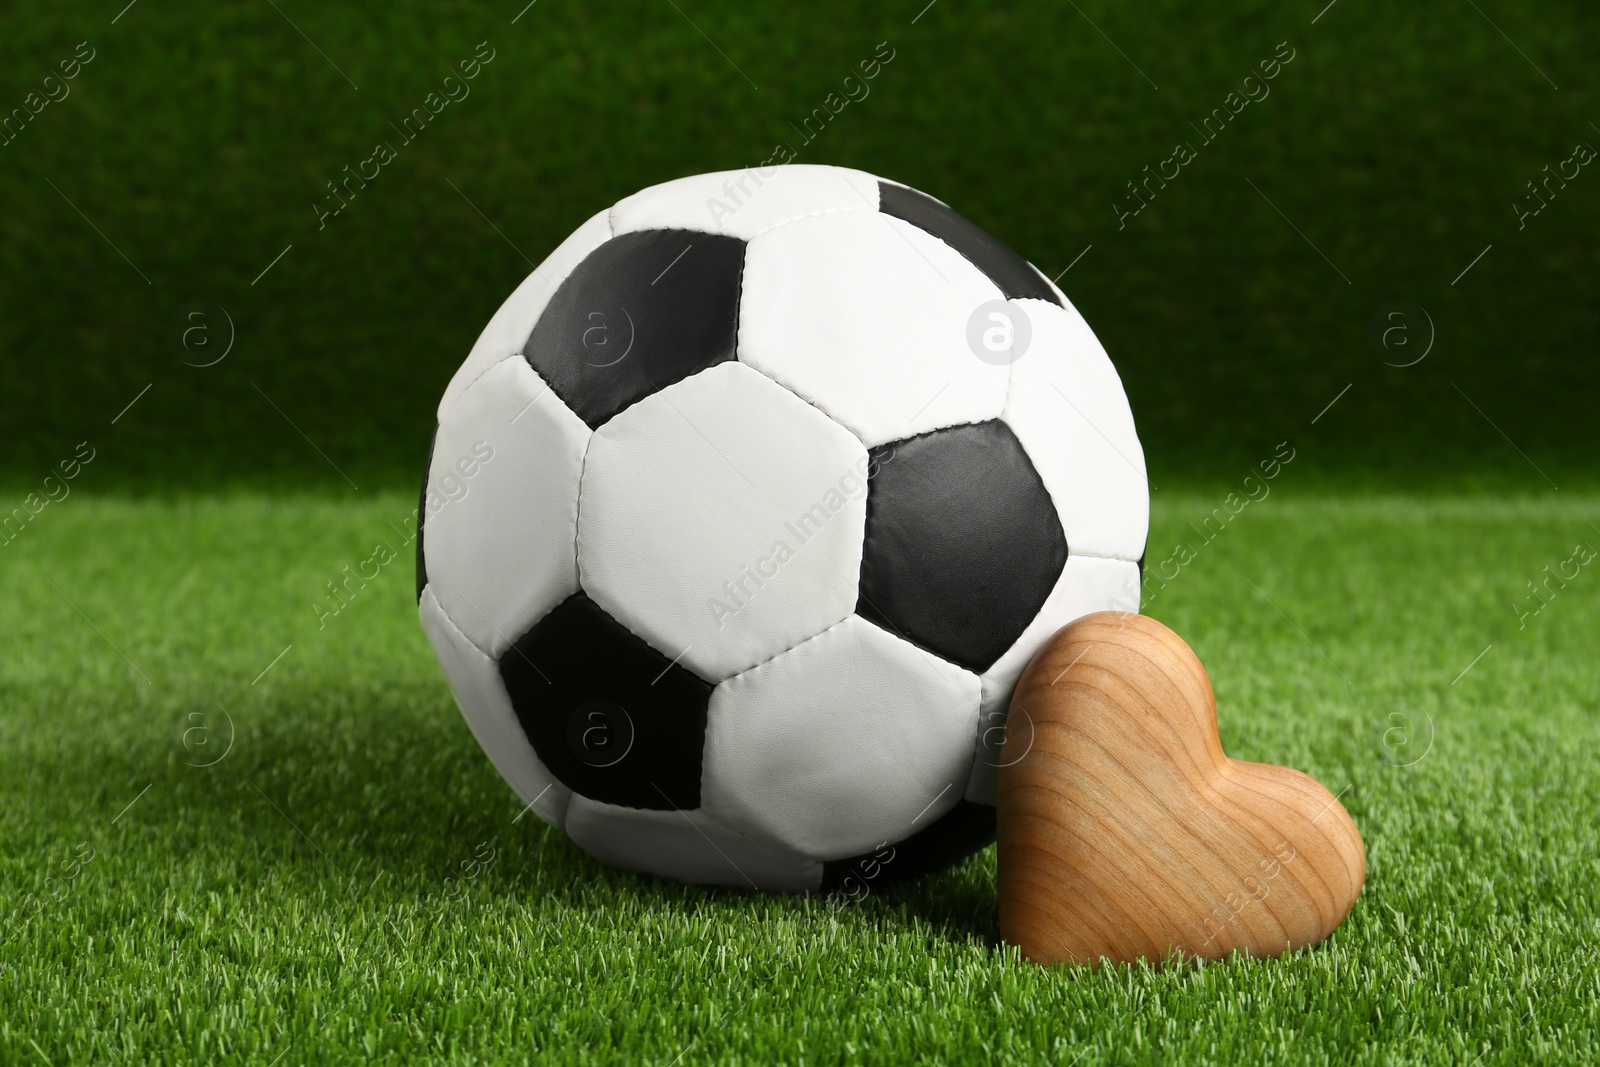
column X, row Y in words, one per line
column 384, row 789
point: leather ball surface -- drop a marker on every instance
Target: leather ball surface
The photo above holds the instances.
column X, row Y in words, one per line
column 748, row 508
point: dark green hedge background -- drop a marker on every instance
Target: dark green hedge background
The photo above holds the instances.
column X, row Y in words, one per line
column 1397, row 140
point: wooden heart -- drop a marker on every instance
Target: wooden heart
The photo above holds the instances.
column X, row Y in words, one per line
column 1125, row 831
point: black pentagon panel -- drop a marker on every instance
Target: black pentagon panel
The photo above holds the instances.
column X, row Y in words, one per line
column 954, row 836
column 612, row 718
column 644, row 310
column 1004, row 267
column 963, row 543
column 422, row 511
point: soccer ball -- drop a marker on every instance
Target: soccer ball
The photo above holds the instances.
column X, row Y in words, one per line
column 747, row 510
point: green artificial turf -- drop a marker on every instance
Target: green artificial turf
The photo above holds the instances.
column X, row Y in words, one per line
column 347, row 881
column 350, row 881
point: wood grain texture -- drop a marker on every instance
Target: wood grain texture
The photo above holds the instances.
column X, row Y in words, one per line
column 1125, row 831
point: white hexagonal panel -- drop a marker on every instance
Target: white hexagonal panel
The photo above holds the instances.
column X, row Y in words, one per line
column 501, row 510
column 475, row 683
column 687, row 845
column 1087, row 584
column 852, row 739
column 743, row 203
column 722, row 520
column 867, row 317
column 1068, row 409
column 510, row 326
